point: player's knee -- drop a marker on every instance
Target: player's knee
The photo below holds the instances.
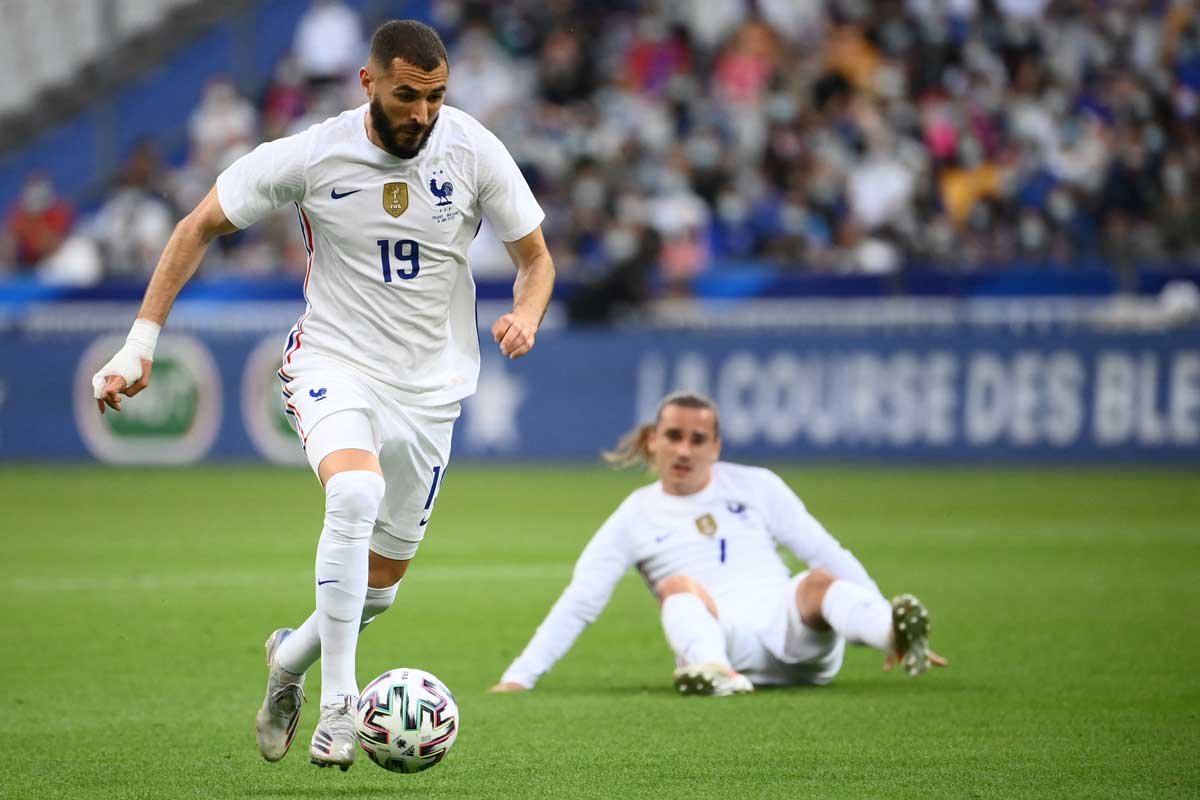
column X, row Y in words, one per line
column 352, row 502
column 676, row 584
column 810, row 594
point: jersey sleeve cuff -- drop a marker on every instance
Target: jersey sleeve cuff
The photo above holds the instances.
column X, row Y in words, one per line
column 516, row 675
column 239, row 222
column 520, row 232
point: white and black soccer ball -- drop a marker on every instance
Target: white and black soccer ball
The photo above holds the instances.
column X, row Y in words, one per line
column 406, row 720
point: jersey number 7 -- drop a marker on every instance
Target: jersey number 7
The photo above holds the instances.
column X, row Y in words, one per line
column 404, row 250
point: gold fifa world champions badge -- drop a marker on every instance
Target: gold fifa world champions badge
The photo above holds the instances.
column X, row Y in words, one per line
column 706, row 524
column 395, row 198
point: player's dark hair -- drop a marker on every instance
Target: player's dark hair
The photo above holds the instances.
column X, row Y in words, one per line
column 634, row 447
column 412, row 41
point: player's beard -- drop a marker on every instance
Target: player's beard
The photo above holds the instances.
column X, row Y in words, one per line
column 387, row 134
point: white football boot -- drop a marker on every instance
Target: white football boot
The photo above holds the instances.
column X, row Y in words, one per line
column 711, row 679
column 910, row 633
column 335, row 740
column 276, row 722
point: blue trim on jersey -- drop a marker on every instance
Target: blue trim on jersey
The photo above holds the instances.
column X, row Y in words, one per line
column 308, row 246
column 478, row 341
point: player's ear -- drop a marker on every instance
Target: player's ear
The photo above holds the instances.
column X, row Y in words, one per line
column 364, row 77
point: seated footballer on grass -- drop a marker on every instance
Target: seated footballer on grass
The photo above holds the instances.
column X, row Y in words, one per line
column 704, row 537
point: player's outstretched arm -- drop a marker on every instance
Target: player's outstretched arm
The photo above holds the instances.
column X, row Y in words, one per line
column 597, row 572
column 515, row 332
column 128, row 372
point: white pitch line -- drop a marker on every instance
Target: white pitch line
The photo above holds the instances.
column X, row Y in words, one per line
column 167, row 582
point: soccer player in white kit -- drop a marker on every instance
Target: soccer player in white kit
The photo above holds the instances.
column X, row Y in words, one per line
column 704, row 538
column 389, row 196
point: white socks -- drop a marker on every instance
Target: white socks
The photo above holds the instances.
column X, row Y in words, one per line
column 858, row 615
column 302, row 649
column 378, row 601
column 693, row 633
column 351, row 504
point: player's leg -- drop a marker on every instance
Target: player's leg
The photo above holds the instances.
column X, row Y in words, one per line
column 383, row 579
column 303, row 645
column 280, row 713
column 862, row 616
column 342, row 448
column 328, row 409
column 354, row 487
column 414, row 456
column 690, row 622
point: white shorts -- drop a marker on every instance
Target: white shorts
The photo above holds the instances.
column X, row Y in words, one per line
column 776, row 648
column 333, row 407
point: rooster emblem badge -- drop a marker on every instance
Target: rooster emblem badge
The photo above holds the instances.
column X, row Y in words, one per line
column 442, row 192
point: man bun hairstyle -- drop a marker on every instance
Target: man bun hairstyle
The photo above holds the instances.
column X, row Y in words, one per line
column 412, row 41
column 634, row 447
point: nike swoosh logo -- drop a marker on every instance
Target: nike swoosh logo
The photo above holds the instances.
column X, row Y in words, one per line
column 424, row 522
column 336, row 196
column 331, row 580
column 658, row 539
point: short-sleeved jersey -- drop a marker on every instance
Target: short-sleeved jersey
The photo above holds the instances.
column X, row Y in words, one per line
column 388, row 287
column 725, row 536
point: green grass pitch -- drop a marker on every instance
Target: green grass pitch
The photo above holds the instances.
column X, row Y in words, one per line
column 135, row 603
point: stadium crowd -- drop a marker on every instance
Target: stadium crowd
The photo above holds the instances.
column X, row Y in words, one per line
column 667, row 139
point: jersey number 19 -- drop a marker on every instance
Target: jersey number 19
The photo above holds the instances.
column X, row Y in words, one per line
column 404, row 250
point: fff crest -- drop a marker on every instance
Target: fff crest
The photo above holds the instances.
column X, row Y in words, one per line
column 395, row 198
column 442, row 192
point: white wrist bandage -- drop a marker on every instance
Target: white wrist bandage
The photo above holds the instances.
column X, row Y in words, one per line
column 127, row 363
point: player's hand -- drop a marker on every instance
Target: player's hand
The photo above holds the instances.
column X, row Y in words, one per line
column 112, row 380
column 508, row 686
column 514, row 334
column 893, row 659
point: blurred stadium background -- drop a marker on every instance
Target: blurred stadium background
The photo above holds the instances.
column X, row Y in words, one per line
column 962, row 230
column 880, row 234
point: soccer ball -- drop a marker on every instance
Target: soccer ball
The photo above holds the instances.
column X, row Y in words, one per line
column 406, row 720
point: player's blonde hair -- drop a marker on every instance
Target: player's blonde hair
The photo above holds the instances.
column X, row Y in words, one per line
column 633, row 449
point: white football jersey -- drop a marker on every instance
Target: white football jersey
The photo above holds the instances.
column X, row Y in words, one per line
column 388, row 286
column 725, row 536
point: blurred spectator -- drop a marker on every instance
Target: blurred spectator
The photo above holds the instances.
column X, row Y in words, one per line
column 223, row 127
column 565, row 68
column 669, row 139
column 286, row 100
column 78, row 262
column 486, row 81
column 329, row 43
column 38, row 222
column 133, row 225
